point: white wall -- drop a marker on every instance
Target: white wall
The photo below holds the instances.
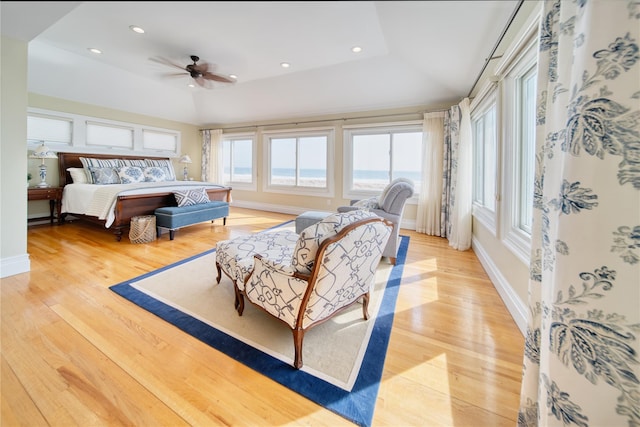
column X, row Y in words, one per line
column 13, row 158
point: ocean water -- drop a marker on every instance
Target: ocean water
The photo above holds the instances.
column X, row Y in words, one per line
column 358, row 175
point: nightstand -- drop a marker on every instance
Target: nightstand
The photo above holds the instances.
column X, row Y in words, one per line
column 53, row 194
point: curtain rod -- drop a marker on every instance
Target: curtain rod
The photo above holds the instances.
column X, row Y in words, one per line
column 331, row 120
column 495, row 47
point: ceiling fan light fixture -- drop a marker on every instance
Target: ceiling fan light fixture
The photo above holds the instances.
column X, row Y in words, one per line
column 136, row 29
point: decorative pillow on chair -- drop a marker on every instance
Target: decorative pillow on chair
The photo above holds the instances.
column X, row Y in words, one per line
column 371, row 203
column 104, row 176
column 154, row 174
column 194, row 196
column 130, row 174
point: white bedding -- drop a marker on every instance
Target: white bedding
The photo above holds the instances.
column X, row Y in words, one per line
column 100, row 200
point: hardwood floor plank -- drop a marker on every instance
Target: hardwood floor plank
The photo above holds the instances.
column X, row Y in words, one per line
column 75, row 353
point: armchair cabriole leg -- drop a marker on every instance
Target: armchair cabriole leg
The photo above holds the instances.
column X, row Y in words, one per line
column 365, row 306
column 392, row 260
column 298, row 335
column 219, row 272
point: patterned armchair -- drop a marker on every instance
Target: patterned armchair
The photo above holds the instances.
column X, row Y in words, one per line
column 330, row 266
column 389, row 205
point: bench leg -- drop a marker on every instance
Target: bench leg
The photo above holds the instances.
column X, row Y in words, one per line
column 224, row 221
column 171, row 234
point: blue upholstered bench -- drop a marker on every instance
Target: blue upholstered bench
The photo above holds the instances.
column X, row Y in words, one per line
column 174, row 217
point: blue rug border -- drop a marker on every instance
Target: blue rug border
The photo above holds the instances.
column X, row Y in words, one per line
column 356, row 406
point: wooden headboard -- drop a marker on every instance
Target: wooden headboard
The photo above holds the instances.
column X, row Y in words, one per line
column 72, row 160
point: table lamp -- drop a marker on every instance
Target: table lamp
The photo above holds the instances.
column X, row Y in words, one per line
column 43, row 152
column 186, row 160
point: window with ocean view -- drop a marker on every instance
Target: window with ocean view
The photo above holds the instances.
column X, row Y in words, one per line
column 298, row 162
column 238, row 161
column 376, row 156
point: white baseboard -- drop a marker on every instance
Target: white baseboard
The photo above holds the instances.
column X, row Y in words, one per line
column 514, row 304
column 14, row 265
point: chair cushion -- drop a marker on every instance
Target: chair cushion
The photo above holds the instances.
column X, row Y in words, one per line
column 312, row 237
column 235, row 256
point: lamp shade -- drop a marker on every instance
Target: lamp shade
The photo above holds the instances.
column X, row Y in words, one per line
column 185, row 159
column 43, row 152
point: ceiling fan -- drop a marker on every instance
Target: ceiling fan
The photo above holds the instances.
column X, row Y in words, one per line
column 201, row 73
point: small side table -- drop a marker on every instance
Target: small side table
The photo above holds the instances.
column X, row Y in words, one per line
column 53, row 194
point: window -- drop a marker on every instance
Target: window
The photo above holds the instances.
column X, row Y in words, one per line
column 376, row 156
column 84, row 134
column 238, row 159
column 485, row 167
column 161, row 141
column 298, row 162
column 526, row 149
column 519, row 116
column 53, row 131
column 109, row 136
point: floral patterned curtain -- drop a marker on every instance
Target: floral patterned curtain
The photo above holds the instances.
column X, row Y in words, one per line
column 211, row 154
column 455, row 205
column 581, row 364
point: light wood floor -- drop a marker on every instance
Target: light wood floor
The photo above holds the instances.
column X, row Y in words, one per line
column 76, row 354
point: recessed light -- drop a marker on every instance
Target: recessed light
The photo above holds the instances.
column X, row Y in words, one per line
column 233, row 76
column 136, row 29
column 356, row 49
column 94, row 50
column 191, row 85
column 285, row 65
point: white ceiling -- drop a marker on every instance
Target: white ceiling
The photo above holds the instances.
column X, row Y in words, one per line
column 415, row 53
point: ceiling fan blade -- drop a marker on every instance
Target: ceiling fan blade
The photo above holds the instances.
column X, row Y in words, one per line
column 217, row 78
column 165, row 61
column 201, row 82
column 200, row 68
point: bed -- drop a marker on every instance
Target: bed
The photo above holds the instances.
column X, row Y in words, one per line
column 113, row 206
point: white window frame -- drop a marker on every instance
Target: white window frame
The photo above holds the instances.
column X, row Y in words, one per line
column 516, row 63
column 80, row 144
column 253, row 185
column 267, row 136
column 37, row 132
column 349, row 132
column 486, row 99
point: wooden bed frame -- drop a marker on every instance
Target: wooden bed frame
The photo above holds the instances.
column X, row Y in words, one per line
column 127, row 206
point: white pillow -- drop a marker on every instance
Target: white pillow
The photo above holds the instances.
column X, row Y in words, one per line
column 78, row 176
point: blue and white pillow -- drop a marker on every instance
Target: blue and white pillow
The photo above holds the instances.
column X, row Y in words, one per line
column 164, row 164
column 154, row 174
column 88, row 162
column 194, row 196
column 103, row 176
column 130, row 174
column 134, row 162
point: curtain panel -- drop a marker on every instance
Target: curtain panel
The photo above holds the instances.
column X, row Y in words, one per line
column 582, row 345
column 212, row 155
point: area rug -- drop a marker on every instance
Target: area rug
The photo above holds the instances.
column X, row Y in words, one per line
column 343, row 358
